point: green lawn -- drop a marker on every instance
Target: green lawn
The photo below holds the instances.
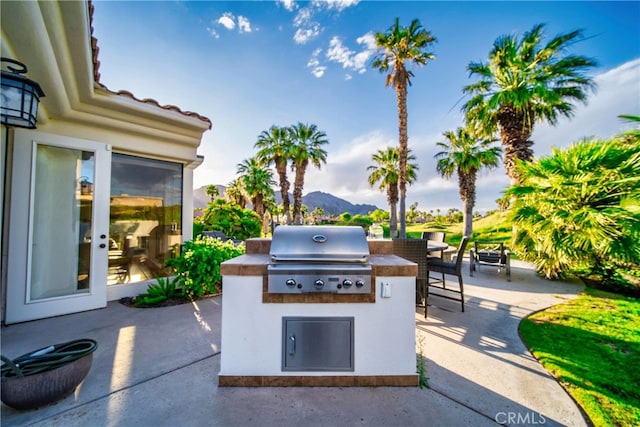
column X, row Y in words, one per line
column 592, row 346
column 492, row 227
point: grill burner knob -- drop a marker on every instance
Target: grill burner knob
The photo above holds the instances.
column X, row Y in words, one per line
column 318, row 284
column 290, row 283
column 347, row 283
column 359, row 283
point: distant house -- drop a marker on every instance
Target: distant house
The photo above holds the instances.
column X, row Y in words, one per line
column 99, row 195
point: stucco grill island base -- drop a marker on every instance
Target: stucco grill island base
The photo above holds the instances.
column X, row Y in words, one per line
column 318, row 339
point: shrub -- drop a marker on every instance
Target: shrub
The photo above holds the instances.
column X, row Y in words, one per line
column 230, row 218
column 578, row 211
column 199, row 264
column 164, row 289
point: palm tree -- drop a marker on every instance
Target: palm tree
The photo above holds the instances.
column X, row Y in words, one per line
column 465, row 154
column 235, row 192
column 524, row 82
column 385, row 172
column 257, row 181
column 401, row 45
column 274, row 146
column 212, row 191
column 306, row 148
column 578, row 210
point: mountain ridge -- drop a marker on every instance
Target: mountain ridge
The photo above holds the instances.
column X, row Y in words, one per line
column 330, row 204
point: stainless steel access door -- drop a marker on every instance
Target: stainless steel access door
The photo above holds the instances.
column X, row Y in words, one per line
column 317, row 344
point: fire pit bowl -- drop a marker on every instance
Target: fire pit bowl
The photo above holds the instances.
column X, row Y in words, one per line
column 47, row 375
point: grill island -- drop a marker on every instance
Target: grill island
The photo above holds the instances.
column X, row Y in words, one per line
column 318, row 306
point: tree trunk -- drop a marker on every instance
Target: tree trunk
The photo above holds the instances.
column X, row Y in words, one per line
column 281, row 168
column 393, row 220
column 403, row 140
column 467, row 187
column 297, row 193
column 515, row 131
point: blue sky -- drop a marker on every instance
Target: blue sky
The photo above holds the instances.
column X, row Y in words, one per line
column 250, row 65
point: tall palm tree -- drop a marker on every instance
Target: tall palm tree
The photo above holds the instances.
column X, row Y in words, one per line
column 235, row 192
column 273, row 148
column 399, row 46
column 307, row 142
column 524, row 82
column 465, row 154
column 212, row 191
column 257, row 181
column 385, row 172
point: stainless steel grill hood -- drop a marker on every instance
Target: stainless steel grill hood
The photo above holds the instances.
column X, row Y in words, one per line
column 308, row 243
column 319, row 259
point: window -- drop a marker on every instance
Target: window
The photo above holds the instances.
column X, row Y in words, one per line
column 145, row 225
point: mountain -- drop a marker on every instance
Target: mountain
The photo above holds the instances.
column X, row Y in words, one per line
column 200, row 197
column 331, row 204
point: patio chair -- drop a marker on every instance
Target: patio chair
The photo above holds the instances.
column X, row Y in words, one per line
column 415, row 250
column 437, row 236
column 451, row 268
column 492, row 254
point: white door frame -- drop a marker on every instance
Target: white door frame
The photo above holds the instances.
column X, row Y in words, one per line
column 18, row 306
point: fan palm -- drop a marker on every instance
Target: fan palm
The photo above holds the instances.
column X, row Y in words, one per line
column 235, row 192
column 399, row 46
column 212, row 191
column 465, row 154
column 307, row 142
column 524, row 82
column 578, row 210
column 257, row 181
column 385, row 172
column 273, row 148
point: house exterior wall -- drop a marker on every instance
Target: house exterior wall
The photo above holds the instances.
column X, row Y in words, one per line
column 42, row 34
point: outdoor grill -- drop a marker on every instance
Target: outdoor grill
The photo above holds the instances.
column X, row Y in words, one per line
column 319, row 259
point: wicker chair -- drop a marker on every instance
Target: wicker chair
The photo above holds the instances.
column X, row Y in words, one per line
column 437, row 236
column 415, row 250
column 451, row 268
column 491, row 254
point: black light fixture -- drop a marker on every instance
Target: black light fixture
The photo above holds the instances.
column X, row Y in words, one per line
column 20, row 96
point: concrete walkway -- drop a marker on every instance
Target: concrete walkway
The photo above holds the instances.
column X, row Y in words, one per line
column 158, row 367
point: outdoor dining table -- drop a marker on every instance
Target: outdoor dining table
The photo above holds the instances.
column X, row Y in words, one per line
column 435, row 246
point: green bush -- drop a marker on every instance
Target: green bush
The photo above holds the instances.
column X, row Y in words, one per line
column 164, row 289
column 199, row 264
column 578, row 212
column 229, row 217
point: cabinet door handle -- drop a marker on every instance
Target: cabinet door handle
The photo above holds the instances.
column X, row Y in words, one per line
column 292, row 345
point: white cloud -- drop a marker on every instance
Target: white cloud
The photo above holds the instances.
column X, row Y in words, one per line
column 227, row 21
column 289, row 5
column 244, row 26
column 338, row 5
column 347, row 77
column 356, row 61
column 303, row 35
column 314, row 63
column 213, row 33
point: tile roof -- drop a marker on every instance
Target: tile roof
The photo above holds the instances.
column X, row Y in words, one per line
column 96, row 78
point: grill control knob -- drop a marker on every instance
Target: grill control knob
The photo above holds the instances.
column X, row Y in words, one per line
column 318, row 284
column 359, row 283
column 347, row 283
column 290, row 283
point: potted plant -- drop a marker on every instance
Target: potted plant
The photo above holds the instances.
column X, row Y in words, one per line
column 46, row 375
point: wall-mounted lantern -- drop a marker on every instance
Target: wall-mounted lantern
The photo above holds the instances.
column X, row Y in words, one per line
column 19, row 95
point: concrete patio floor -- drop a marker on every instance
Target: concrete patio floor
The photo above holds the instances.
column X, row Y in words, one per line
column 159, row 367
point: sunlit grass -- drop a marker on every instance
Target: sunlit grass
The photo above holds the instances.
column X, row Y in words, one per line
column 492, row 227
column 592, row 346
